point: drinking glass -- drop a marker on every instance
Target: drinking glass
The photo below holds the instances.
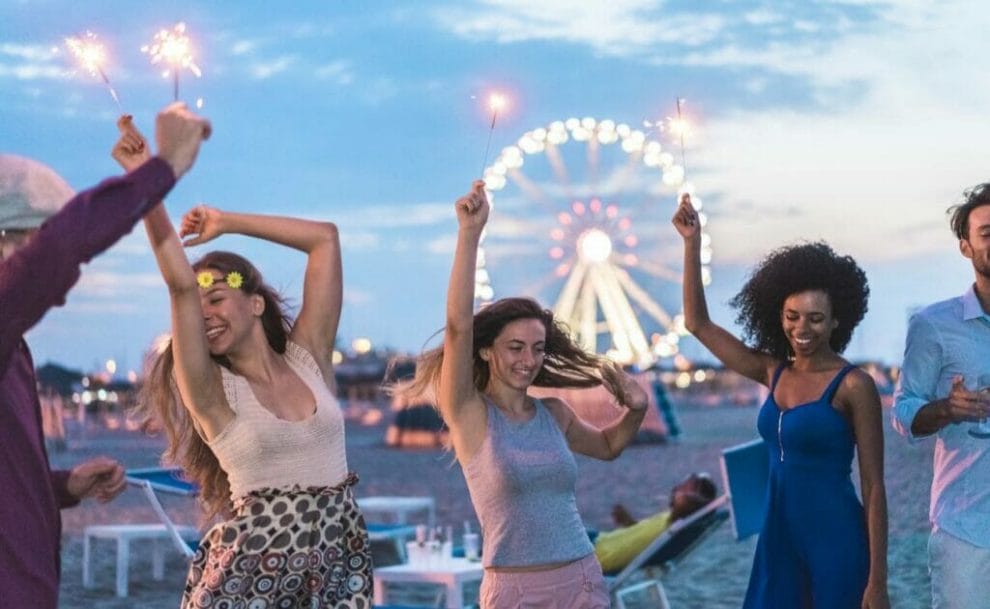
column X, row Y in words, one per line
column 982, row 429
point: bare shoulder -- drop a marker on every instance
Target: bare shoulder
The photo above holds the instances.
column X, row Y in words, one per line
column 858, row 389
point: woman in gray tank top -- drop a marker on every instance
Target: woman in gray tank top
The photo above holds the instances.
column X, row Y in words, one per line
column 517, row 451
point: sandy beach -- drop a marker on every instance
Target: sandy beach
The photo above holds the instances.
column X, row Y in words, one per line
column 714, row 577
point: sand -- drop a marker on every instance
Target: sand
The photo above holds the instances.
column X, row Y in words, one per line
column 713, row 577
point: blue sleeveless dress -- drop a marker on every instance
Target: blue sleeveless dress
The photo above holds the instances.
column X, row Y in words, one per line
column 813, row 550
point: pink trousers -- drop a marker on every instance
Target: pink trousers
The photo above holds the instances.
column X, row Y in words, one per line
column 578, row 585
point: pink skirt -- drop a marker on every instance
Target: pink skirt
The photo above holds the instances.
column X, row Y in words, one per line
column 578, row 585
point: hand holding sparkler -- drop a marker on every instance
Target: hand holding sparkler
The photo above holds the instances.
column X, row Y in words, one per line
column 472, row 208
column 131, row 149
column 91, row 56
column 178, row 133
column 686, row 219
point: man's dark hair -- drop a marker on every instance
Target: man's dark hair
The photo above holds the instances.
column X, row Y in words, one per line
column 976, row 196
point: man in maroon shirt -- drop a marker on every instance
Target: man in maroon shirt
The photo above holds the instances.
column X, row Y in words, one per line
column 38, row 266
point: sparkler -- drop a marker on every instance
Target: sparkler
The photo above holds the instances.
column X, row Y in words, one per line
column 174, row 48
column 496, row 102
column 677, row 126
column 91, row 55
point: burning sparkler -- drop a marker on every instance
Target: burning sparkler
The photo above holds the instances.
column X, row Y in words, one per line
column 173, row 48
column 91, row 56
column 496, row 102
column 678, row 126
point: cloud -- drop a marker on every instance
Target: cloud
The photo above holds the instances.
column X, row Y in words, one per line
column 30, row 62
column 399, row 215
column 338, row 71
column 611, row 27
column 359, row 240
column 111, row 285
column 263, row 70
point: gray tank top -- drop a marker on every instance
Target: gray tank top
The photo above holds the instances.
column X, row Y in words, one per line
column 522, row 483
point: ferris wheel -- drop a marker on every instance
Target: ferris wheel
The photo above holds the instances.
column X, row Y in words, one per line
column 582, row 217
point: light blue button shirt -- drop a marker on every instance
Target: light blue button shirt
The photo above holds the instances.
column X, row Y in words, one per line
column 945, row 339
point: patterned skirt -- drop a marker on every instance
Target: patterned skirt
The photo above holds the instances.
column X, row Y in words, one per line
column 285, row 548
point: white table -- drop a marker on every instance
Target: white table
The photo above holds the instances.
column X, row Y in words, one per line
column 124, row 534
column 454, row 573
column 399, row 507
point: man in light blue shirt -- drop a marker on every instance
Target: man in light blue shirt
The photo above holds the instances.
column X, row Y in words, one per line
column 946, row 362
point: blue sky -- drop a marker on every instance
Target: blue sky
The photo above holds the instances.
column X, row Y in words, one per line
column 853, row 122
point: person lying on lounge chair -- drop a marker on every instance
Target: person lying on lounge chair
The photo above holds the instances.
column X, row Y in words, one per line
column 615, row 549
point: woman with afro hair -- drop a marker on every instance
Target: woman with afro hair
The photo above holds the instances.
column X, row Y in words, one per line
column 819, row 548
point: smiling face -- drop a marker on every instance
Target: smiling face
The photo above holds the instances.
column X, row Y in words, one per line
column 807, row 322
column 516, row 355
column 230, row 314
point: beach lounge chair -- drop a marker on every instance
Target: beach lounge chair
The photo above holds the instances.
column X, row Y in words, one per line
column 745, row 470
column 665, row 552
column 184, row 538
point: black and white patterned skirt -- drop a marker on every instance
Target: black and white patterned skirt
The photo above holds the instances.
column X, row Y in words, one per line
column 285, row 548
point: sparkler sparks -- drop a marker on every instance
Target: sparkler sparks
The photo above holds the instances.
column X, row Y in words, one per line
column 496, row 102
column 91, row 56
column 173, row 48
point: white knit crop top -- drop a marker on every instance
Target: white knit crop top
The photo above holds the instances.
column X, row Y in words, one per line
column 259, row 450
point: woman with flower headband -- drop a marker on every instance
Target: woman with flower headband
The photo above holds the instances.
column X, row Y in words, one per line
column 247, row 401
column 517, row 452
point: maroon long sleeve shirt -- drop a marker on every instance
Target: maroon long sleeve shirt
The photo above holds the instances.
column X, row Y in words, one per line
column 33, row 280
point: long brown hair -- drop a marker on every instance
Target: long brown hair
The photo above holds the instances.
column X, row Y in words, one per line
column 565, row 363
column 160, row 398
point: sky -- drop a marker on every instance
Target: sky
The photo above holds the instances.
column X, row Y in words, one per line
column 857, row 123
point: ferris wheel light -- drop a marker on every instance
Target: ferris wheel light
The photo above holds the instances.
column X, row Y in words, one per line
column 706, row 240
column 696, row 203
column 494, row 181
column 580, row 134
column 609, row 137
column 594, row 246
column 706, row 256
column 557, row 137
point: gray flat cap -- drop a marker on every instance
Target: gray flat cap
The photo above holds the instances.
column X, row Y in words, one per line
column 30, row 192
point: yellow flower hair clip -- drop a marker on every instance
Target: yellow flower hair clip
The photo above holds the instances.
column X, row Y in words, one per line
column 206, row 280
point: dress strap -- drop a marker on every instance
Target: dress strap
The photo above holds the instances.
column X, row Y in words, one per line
column 776, row 376
column 834, row 385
